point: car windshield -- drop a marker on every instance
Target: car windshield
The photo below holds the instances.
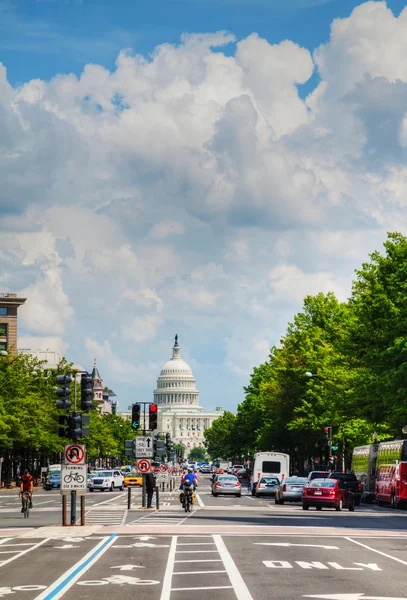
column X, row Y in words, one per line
column 104, row 474
column 319, row 475
column 269, row 480
column 323, row 483
column 133, row 474
column 296, row 480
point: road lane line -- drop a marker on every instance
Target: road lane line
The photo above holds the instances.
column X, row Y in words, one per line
column 196, row 544
column 66, row 581
column 107, row 501
column 167, row 582
column 46, row 502
column 196, row 551
column 237, row 581
column 200, row 501
column 9, row 560
column 199, row 560
column 193, row 589
column 197, row 572
column 3, row 541
column 403, row 562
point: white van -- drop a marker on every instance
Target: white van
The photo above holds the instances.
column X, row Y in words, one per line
column 269, row 464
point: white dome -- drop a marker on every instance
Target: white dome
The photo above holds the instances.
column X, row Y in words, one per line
column 176, row 365
column 176, row 383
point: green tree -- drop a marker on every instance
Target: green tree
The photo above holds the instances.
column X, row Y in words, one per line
column 218, row 439
column 197, row 454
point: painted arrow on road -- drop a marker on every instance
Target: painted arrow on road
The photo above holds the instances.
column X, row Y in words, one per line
column 354, row 596
column 145, row 538
column 128, row 567
column 287, row 545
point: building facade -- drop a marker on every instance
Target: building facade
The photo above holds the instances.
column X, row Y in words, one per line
column 102, row 396
column 177, row 397
column 9, row 304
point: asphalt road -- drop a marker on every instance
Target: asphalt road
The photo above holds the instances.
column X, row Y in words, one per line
column 172, row 567
column 107, row 508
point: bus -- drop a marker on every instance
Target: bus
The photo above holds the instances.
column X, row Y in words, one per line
column 364, row 467
column 391, row 473
column 269, row 464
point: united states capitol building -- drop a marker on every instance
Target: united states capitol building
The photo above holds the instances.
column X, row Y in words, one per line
column 179, row 412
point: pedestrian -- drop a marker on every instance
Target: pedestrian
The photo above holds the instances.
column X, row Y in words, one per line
column 249, row 482
column 150, row 487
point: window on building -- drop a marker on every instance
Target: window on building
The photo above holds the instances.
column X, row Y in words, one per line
column 3, row 327
column 3, row 311
column 3, row 346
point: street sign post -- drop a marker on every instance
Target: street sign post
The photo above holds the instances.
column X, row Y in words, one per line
column 74, row 478
column 74, row 454
column 143, row 465
column 144, row 447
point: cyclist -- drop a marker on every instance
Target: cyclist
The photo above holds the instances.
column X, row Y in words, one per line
column 27, row 485
column 192, row 479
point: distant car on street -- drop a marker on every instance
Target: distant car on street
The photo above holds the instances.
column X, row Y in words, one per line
column 318, row 475
column 290, row 490
column 205, row 468
column 226, row 484
column 53, row 481
column 133, row 478
column 266, row 486
column 106, row 480
column 329, row 493
column 351, row 482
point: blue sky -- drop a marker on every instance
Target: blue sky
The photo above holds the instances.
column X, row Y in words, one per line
column 203, row 191
column 40, row 38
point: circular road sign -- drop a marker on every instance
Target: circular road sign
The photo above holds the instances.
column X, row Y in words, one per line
column 163, row 468
column 143, row 465
column 74, row 454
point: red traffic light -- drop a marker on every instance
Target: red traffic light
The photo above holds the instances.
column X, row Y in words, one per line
column 153, row 408
column 326, row 429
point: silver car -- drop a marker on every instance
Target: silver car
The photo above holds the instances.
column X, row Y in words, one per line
column 267, row 486
column 226, row 484
column 290, row 490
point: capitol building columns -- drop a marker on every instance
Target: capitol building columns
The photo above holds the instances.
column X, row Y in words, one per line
column 179, row 411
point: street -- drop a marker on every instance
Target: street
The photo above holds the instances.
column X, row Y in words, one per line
column 226, row 548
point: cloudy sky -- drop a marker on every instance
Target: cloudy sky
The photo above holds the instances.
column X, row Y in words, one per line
column 193, row 167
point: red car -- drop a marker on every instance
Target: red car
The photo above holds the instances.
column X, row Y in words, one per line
column 331, row 493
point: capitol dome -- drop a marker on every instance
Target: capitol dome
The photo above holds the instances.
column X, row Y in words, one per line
column 176, row 384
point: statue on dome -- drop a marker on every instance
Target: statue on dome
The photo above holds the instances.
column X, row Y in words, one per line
column 176, row 339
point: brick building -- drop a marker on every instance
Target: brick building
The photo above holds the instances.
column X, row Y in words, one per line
column 9, row 304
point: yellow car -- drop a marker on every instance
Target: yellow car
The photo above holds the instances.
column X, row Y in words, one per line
column 133, row 479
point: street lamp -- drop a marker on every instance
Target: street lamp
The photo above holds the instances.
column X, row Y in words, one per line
column 309, row 374
column 404, row 430
column 3, row 353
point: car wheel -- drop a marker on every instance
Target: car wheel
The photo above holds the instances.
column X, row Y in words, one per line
column 305, row 507
column 339, row 506
column 238, row 495
column 257, row 495
column 112, row 488
column 215, row 495
column 90, row 489
column 121, row 488
column 319, row 507
column 352, row 506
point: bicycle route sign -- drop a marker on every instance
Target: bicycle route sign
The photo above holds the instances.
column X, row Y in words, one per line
column 74, row 478
column 144, row 446
column 74, row 454
column 143, row 465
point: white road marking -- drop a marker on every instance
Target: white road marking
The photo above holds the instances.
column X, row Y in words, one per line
column 216, row 587
column 199, row 560
column 287, row 545
column 4, row 540
column 200, row 501
column 197, row 544
column 40, row 503
column 196, row 551
column 166, row 591
column 237, row 581
column 403, row 562
column 197, row 572
column 34, row 547
column 107, row 501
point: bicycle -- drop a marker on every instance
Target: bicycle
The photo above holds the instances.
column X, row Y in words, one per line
column 187, row 500
column 26, row 503
column 74, row 477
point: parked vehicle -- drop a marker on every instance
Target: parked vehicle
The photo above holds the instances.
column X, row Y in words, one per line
column 391, row 475
column 53, row 481
column 318, row 475
column 226, row 484
column 106, row 480
column 266, row 486
column 269, row 464
column 133, row 478
column 330, row 493
column 351, row 482
column 364, row 460
column 290, row 490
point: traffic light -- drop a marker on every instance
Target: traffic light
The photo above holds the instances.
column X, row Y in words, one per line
column 78, row 426
column 328, row 432
column 135, row 416
column 63, row 427
column 63, row 391
column 152, row 416
column 168, row 442
column 86, row 392
column 160, row 448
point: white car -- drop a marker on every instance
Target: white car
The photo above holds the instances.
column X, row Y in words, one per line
column 107, row 480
